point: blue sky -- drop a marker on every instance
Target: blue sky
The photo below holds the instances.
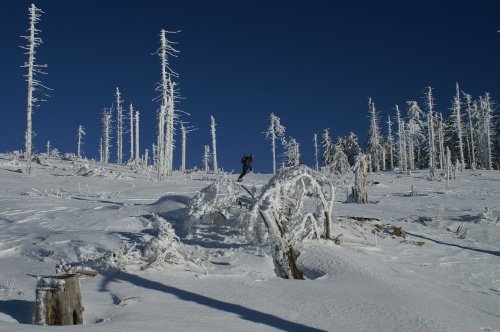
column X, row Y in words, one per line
column 313, row 63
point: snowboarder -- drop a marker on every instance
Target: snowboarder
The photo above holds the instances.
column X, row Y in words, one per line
column 246, row 162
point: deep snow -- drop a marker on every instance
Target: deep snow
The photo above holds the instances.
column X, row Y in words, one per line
column 370, row 282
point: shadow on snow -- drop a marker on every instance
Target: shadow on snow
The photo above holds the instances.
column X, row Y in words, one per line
column 243, row 312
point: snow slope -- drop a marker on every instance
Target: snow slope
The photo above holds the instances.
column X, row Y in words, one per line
column 435, row 279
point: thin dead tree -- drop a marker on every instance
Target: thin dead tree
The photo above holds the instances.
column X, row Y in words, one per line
column 274, row 131
column 472, row 148
column 390, row 141
column 131, row 118
column 106, row 134
column 81, row 133
column 184, row 131
column 430, row 132
column 214, row 144
column 401, row 149
column 457, row 122
column 166, row 49
column 136, row 131
column 441, row 142
column 315, row 140
column 206, row 158
column 119, row 127
column 34, row 84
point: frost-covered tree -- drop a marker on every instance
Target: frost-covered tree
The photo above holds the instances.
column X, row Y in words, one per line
column 315, row 142
column 164, row 87
column 457, row 125
column 274, row 131
column 131, row 130
column 340, row 163
column 81, row 133
column 101, row 151
column 207, row 157
column 441, row 142
column 48, row 148
column 485, row 125
column 374, row 146
column 214, row 144
column 292, row 152
column 415, row 135
column 326, row 142
column 106, row 134
column 119, row 127
column 33, row 41
column 430, row 132
column 351, row 148
column 401, row 155
column 390, row 141
column 296, row 204
column 470, row 131
column 359, row 193
column 496, row 143
column 155, row 154
column 146, row 157
column 136, row 132
column 170, row 129
column 183, row 147
column 184, row 131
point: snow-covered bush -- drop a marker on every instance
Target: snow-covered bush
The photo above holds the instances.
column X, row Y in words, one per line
column 165, row 245
column 296, row 204
column 220, row 199
column 488, row 216
column 70, row 156
column 41, row 160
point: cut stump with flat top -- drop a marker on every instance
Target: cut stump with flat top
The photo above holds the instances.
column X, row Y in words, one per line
column 58, row 300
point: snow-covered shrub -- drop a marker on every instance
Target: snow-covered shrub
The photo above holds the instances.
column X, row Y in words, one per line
column 413, row 191
column 165, row 245
column 41, row 160
column 47, row 193
column 488, row 216
column 54, row 153
column 13, row 158
column 296, row 203
column 69, row 156
column 221, row 199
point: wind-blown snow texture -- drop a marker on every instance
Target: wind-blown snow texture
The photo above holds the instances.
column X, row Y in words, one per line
column 371, row 282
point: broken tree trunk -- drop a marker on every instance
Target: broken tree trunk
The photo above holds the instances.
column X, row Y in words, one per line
column 58, row 300
column 359, row 193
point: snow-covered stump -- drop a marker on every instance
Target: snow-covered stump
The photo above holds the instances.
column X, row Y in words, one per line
column 58, row 300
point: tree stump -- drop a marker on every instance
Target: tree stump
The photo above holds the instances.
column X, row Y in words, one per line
column 58, row 300
column 359, row 193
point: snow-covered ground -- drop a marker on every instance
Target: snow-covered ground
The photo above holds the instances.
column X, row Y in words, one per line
column 444, row 276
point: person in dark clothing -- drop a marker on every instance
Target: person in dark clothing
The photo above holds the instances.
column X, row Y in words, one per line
column 246, row 162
